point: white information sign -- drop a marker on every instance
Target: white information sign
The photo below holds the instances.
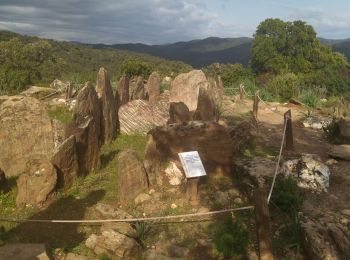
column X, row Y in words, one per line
column 192, row 164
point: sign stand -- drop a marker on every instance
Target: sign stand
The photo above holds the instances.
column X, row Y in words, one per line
column 194, row 169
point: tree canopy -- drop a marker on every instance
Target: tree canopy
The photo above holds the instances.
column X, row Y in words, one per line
column 281, row 47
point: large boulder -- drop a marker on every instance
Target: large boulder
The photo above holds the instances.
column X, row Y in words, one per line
column 153, row 87
column 132, row 178
column 65, row 160
column 308, row 171
column 340, row 152
column 110, row 121
column 139, row 116
column 211, row 140
column 86, row 127
column 26, row 133
column 35, row 186
column 122, row 91
column 194, row 90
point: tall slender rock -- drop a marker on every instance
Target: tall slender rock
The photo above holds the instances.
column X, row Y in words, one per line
column 153, row 87
column 139, row 92
column 123, row 91
column 110, row 121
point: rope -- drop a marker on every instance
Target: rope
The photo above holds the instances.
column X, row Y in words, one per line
column 127, row 220
column 245, row 92
column 278, row 162
column 268, row 106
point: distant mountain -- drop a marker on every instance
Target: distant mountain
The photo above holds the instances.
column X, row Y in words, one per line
column 198, row 53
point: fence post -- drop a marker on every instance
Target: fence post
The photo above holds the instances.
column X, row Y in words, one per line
column 192, row 190
column 241, row 92
column 256, row 105
column 289, row 130
column 69, row 91
column 262, row 217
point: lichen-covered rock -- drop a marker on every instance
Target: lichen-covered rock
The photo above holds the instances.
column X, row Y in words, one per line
column 211, row 140
column 86, row 127
column 65, row 160
column 109, row 122
column 132, row 178
column 153, row 87
column 35, row 186
column 123, row 91
column 309, row 172
column 26, row 134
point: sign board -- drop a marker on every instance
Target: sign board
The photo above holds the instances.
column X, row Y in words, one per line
column 192, row 164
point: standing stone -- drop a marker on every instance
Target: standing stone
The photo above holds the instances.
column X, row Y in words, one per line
column 193, row 90
column 179, row 113
column 211, row 140
column 110, row 121
column 218, row 89
column 86, row 127
column 35, row 186
column 139, row 92
column 26, row 133
column 65, row 160
column 153, row 87
column 132, row 178
column 123, row 90
column 69, row 91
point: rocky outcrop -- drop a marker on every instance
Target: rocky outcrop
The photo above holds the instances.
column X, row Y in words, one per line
column 65, row 160
column 139, row 116
column 340, row 152
column 193, row 89
column 139, row 91
column 109, row 121
column 308, row 171
column 86, row 128
column 35, row 186
column 26, row 134
column 122, row 91
column 59, row 85
column 132, row 178
column 153, row 87
column 179, row 113
column 38, row 92
column 211, row 140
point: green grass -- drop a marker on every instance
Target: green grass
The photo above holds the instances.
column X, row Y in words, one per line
column 60, row 113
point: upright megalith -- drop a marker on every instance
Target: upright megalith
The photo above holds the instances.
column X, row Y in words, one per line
column 86, row 127
column 122, row 94
column 110, row 121
column 139, row 91
column 153, row 87
column 193, row 89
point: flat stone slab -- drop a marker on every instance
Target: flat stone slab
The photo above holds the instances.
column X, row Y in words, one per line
column 24, row 252
column 340, row 152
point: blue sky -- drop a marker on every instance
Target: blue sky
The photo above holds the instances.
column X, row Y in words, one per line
column 165, row 21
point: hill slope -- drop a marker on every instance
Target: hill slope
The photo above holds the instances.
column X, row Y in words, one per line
column 30, row 60
column 198, row 53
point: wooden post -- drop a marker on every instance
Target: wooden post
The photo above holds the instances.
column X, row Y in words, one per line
column 256, row 105
column 289, row 130
column 192, row 189
column 262, row 217
column 69, row 91
column 241, row 92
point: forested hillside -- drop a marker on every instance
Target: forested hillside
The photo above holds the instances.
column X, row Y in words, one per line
column 28, row 60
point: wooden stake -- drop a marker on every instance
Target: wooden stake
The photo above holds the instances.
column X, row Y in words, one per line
column 289, row 130
column 241, row 92
column 192, row 189
column 256, row 105
column 262, row 217
column 69, row 91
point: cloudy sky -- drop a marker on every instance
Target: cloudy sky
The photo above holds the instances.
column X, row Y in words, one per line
column 165, row 21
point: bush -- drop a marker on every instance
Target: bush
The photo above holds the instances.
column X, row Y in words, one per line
column 231, row 238
column 309, row 98
column 284, row 86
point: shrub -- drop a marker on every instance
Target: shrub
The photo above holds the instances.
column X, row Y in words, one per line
column 309, row 98
column 284, row 86
column 231, row 238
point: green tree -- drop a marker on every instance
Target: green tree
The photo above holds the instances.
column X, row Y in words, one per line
column 136, row 68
